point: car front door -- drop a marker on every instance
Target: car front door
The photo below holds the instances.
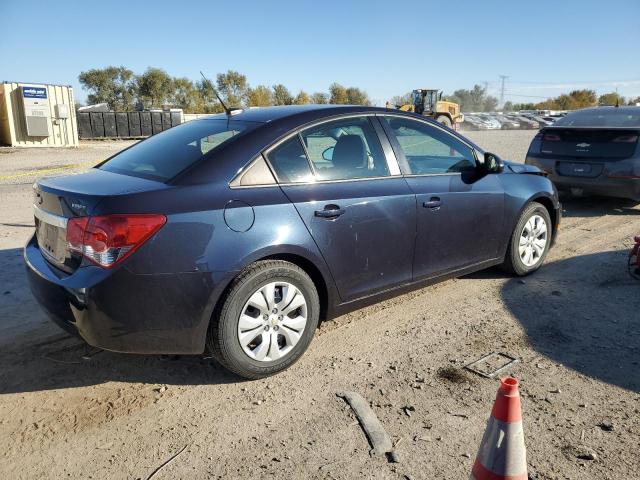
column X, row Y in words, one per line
column 352, row 198
column 460, row 212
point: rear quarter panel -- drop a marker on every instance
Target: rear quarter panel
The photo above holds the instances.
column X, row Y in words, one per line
column 217, row 231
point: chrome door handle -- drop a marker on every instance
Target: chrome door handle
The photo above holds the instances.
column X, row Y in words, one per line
column 332, row 211
column 434, row 202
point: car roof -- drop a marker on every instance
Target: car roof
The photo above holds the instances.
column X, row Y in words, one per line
column 276, row 122
column 270, row 114
column 622, row 108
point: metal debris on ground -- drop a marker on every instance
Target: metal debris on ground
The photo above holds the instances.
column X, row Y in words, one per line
column 378, row 437
column 491, row 364
column 167, row 462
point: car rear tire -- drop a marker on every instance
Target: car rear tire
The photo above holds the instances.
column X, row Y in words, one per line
column 444, row 120
column 530, row 241
column 266, row 320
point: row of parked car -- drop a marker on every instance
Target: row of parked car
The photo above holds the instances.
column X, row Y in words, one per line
column 507, row 121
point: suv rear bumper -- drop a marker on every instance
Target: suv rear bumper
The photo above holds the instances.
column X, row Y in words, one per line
column 121, row 311
column 608, row 184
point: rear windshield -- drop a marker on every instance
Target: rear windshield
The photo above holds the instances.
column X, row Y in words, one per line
column 163, row 156
column 607, row 117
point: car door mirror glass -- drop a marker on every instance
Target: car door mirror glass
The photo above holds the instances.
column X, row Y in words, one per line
column 492, row 163
column 327, row 154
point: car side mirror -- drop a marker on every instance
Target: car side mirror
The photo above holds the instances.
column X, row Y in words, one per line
column 327, row 154
column 492, row 163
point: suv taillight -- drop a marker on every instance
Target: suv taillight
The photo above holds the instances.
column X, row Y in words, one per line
column 107, row 240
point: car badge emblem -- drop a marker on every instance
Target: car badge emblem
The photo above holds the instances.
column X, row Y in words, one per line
column 583, row 145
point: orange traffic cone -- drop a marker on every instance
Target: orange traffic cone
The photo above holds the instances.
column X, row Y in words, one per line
column 502, row 454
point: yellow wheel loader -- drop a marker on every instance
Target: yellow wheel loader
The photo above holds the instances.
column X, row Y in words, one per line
column 428, row 102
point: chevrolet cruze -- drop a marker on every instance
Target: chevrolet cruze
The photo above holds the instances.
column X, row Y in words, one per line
column 236, row 234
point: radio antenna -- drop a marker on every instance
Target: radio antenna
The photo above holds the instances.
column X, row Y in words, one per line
column 226, row 109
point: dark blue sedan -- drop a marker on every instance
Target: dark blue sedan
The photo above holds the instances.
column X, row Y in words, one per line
column 237, row 234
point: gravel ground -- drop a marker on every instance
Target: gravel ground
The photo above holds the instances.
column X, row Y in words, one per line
column 573, row 325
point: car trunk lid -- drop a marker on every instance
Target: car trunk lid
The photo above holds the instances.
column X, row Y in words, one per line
column 588, row 144
column 57, row 199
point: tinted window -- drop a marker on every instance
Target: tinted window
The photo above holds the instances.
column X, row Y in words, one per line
column 163, row 156
column 428, row 149
column 605, row 117
column 290, row 162
column 345, row 149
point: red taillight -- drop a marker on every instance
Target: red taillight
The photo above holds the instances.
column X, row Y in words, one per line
column 75, row 233
column 626, row 139
column 109, row 239
column 551, row 137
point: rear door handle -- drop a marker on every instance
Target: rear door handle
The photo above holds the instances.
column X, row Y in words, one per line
column 330, row 211
column 434, row 202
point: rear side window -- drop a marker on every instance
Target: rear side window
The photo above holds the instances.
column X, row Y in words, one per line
column 339, row 150
column 345, row 149
column 163, row 156
column 290, row 162
column 428, row 149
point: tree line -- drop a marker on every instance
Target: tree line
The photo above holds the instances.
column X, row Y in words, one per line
column 574, row 100
column 475, row 100
column 123, row 90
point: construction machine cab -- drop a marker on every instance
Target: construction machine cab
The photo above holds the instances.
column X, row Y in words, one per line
column 424, row 100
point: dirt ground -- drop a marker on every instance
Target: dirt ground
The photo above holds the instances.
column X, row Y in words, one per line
column 69, row 411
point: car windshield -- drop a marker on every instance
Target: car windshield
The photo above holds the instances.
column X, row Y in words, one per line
column 607, row 117
column 165, row 155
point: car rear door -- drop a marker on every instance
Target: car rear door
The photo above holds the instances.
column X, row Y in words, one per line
column 460, row 213
column 351, row 196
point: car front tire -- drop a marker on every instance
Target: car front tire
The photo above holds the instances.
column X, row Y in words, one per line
column 266, row 320
column 530, row 241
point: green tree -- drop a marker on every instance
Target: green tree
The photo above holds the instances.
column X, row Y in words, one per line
column 338, row 94
column 208, row 102
column 155, row 87
column 399, row 100
column 355, row 96
column 302, row 98
column 282, row 95
column 635, row 101
column 233, row 88
column 114, row 86
column 571, row 101
column 522, row 106
column 319, row 98
column 508, row 107
column 186, row 96
column 474, row 100
column 612, row 98
column 260, row 96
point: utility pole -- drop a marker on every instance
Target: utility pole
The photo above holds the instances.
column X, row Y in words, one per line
column 502, row 79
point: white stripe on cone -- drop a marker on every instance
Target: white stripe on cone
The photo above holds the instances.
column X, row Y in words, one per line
column 502, row 450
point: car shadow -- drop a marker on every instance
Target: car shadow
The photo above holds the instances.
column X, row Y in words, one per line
column 597, row 206
column 583, row 312
column 36, row 355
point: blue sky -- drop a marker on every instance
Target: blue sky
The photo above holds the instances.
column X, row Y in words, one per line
column 545, row 47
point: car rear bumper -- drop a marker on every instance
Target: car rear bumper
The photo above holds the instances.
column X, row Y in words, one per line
column 608, row 184
column 122, row 311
